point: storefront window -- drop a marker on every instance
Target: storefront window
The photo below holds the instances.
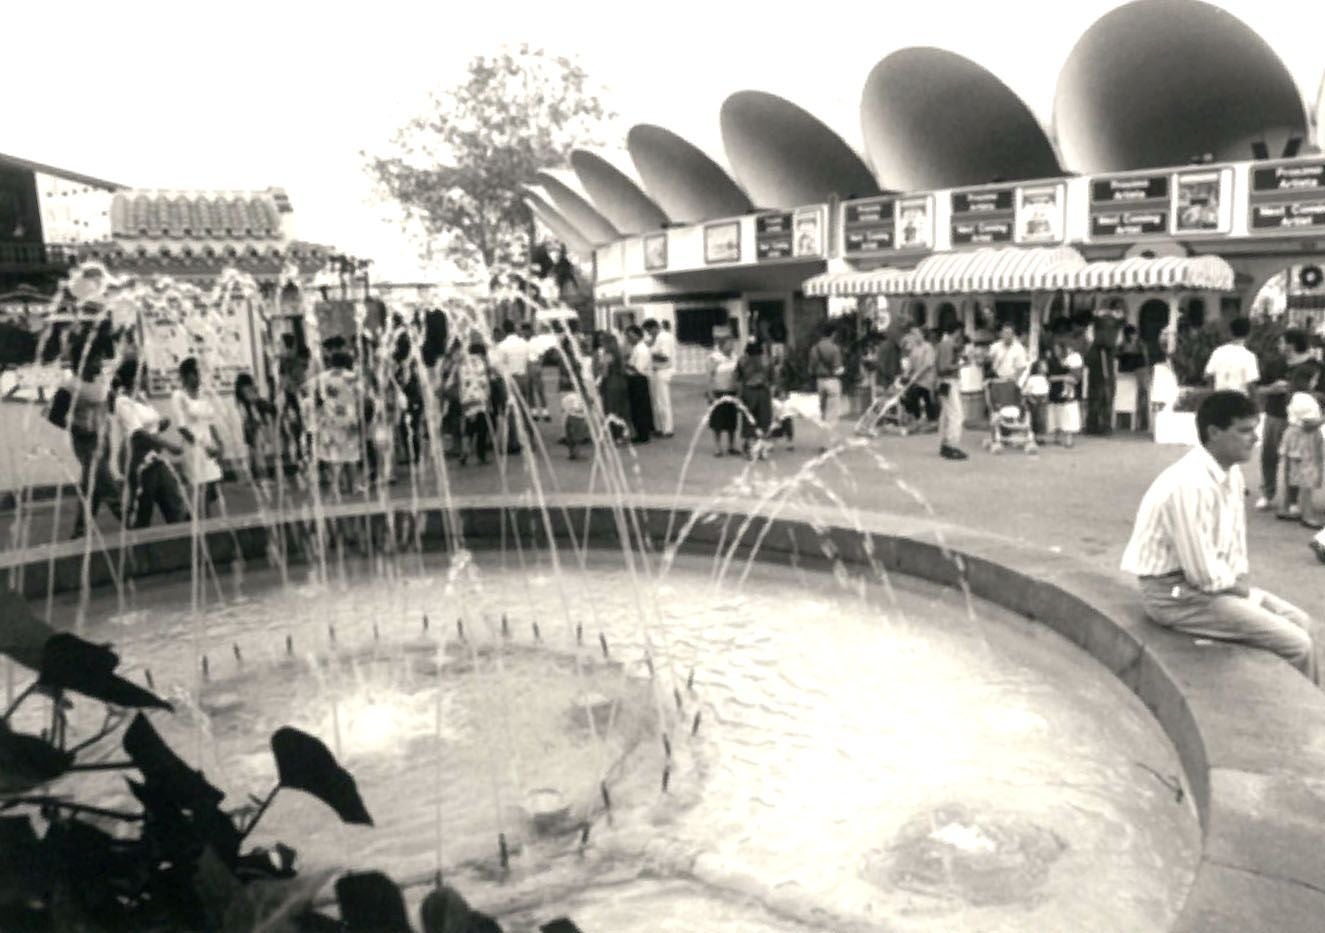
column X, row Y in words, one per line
column 694, row 326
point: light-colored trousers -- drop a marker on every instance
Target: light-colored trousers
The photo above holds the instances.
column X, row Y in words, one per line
column 661, row 389
column 1261, row 620
column 951, row 415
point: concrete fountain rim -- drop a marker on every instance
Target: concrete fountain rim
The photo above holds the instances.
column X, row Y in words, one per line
column 1249, row 730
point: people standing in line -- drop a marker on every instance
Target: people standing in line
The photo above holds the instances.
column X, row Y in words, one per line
column 195, row 419
column 827, row 369
column 1293, row 369
column 1188, row 547
column 609, row 371
column 754, row 383
column 722, row 388
column 151, row 481
column 540, row 344
column 337, row 411
column 256, row 418
column 947, row 366
column 1064, row 365
column 1101, row 375
column 1232, row 366
column 293, row 427
column 663, row 348
column 639, row 369
column 921, row 396
column 86, row 416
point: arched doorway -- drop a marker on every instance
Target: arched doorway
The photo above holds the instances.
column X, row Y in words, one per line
column 947, row 313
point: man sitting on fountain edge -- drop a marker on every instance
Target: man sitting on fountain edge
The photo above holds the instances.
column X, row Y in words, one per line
column 1189, row 545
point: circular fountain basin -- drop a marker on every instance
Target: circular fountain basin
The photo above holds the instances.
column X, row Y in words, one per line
column 869, row 757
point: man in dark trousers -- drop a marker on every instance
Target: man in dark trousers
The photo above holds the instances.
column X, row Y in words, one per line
column 948, row 361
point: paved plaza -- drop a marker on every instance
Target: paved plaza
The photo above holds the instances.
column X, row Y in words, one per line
column 1079, row 502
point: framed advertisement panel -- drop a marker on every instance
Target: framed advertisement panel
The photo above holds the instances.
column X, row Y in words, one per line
column 655, row 252
column 809, row 224
column 1286, row 198
column 1202, row 202
column 1041, row 213
column 982, row 216
column 722, row 242
column 868, row 225
column 915, row 223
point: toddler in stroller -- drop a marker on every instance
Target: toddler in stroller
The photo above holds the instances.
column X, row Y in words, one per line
column 1009, row 418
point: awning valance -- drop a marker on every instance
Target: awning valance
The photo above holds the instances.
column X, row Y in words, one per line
column 986, row 271
column 1203, row 273
column 848, row 284
column 1029, row 269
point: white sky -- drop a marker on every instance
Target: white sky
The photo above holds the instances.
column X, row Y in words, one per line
column 250, row 94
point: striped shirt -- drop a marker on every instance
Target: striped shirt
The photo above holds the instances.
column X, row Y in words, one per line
column 1192, row 520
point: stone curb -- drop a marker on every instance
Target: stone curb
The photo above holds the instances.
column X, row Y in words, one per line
column 1249, row 730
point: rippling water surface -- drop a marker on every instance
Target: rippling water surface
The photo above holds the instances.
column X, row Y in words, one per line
column 862, row 761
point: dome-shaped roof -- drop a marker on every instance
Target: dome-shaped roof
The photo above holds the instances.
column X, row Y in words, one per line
column 685, row 181
column 609, row 180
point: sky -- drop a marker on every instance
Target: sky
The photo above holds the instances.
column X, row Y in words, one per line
column 248, row 94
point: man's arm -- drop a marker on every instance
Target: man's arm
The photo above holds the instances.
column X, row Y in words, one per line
column 1190, row 517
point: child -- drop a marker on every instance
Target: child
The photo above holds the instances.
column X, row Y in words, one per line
column 576, row 422
column 1064, row 371
column 256, row 415
column 1035, row 392
column 1302, row 451
column 783, row 423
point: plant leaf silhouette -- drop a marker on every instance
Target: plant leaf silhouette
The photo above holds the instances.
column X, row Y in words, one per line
column 164, row 769
column 267, row 863
column 27, row 761
column 71, row 663
column 444, row 910
column 305, row 764
column 22, row 867
column 370, row 902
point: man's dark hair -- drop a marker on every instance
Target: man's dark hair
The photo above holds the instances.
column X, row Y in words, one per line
column 650, row 324
column 1239, row 327
column 634, row 331
column 508, row 326
column 1220, row 409
column 1297, row 339
column 1008, row 325
column 951, row 326
column 126, row 376
column 189, row 367
column 526, row 326
column 1129, row 330
column 827, row 329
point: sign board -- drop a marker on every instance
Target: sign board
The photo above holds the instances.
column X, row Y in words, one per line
column 1041, row 210
column 722, row 242
column 1203, row 202
column 774, row 237
column 868, row 226
column 655, row 251
column 221, row 338
column 915, row 223
column 982, row 216
column 809, row 224
column 1130, row 206
column 1286, row 198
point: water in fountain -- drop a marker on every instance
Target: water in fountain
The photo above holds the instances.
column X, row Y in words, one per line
column 652, row 736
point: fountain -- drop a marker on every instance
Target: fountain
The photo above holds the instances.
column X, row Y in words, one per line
column 758, row 709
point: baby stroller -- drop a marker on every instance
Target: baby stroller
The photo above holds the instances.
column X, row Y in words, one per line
column 1009, row 419
column 886, row 413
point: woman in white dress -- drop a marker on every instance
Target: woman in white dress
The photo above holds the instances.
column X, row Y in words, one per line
column 196, row 420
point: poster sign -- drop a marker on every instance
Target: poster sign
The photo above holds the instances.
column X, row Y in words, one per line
column 915, row 223
column 1202, row 204
column 868, row 225
column 982, row 216
column 774, row 237
column 655, row 251
column 1128, row 206
column 1287, row 197
column 1040, row 213
column 220, row 338
column 809, row 227
column 722, row 242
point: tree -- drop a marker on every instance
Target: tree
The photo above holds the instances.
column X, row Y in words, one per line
column 459, row 169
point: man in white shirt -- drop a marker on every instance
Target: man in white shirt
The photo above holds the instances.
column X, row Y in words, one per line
column 1008, row 359
column 663, row 348
column 1189, row 545
column 539, row 344
column 1232, row 365
column 639, row 369
column 511, row 358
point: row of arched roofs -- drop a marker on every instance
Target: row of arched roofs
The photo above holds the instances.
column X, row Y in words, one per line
column 1152, row 83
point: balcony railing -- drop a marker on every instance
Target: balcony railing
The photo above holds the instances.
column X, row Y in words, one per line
column 36, row 254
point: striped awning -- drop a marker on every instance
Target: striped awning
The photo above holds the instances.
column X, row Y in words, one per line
column 987, row 271
column 1204, row 273
column 849, row 284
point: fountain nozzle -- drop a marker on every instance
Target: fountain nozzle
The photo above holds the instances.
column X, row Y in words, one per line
column 667, row 745
column 579, row 633
column 239, row 658
column 206, row 668
column 537, row 636
column 690, row 681
column 505, row 626
column 667, row 776
column 148, row 675
column 289, row 645
column 648, row 662
column 676, row 695
column 694, row 729
column 425, row 621
column 331, row 631
column 377, row 636
column 460, row 628
column 602, row 640
column 505, row 853
column 607, row 798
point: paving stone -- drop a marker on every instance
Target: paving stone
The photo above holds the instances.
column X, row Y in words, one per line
column 1230, row 900
column 1272, row 824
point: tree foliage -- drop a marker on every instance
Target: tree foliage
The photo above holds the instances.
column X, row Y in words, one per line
column 459, row 168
